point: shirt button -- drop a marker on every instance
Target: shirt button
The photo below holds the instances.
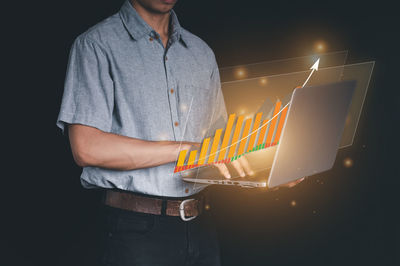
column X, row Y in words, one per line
column 166, row 58
column 176, row 124
column 186, row 190
column 172, row 91
column 151, row 39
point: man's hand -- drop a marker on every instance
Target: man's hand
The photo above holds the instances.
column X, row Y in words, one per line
column 241, row 166
column 290, row 185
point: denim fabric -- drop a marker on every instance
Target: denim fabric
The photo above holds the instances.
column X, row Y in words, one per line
column 121, row 79
column 137, row 239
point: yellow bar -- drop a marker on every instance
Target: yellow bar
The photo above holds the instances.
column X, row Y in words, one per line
column 246, row 129
column 280, row 124
column 262, row 132
column 227, row 135
column 181, row 158
column 214, row 146
column 273, row 123
column 192, row 157
column 203, row 151
column 235, row 137
column 254, row 135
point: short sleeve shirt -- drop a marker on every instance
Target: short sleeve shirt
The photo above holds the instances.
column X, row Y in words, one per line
column 121, row 79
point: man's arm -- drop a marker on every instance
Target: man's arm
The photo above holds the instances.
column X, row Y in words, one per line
column 93, row 147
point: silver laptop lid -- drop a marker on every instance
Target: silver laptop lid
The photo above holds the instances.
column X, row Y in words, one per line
column 312, row 131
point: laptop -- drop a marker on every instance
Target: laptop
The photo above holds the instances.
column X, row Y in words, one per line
column 308, row 145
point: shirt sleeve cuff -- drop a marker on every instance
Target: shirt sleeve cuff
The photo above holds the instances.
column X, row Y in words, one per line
column 70, row 118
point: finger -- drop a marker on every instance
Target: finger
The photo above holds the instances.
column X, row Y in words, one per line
column 292, row 184
column 245, row 164
column 238, row 167
column 223, row 170
column 298, row 181
column 301, row 180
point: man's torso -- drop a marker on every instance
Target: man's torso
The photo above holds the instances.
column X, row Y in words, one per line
column 158, row 94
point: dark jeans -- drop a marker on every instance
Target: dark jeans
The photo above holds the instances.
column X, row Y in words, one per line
column 132, row 238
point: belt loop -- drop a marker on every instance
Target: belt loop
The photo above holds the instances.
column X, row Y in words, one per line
column 164, row 207
column 103, row 196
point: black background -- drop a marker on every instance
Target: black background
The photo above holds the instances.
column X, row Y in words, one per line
column 347, row 216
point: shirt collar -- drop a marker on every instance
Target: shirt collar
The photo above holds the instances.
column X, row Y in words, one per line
column 138, row 28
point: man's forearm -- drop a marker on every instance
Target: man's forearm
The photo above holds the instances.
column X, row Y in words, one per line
column 92, row 147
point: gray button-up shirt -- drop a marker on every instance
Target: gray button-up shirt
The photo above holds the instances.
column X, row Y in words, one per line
column 121, row 79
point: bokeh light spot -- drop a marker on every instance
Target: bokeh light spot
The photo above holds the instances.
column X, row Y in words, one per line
column 240, row 73
column 348, row 162
column 183, row 107
column 263, row 81
column 320, row 46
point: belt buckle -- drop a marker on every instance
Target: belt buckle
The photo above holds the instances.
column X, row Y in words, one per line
column 182, row 210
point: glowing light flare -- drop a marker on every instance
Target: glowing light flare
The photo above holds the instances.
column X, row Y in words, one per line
column 241, row 73
column 320, row 46
column 348, row 162
column 293, row 203
column 241, row 110
column 184, row 107
column 263, row 81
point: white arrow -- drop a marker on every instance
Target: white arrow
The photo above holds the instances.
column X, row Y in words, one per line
column 314, row 68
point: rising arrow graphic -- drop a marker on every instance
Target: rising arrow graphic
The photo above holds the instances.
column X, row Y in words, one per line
column 314, row 68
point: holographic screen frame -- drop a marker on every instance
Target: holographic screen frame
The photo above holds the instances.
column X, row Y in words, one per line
column 249, row 89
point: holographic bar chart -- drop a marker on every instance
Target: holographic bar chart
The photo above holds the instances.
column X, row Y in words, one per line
column 239, row 137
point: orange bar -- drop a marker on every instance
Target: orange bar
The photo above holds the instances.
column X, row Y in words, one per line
column 181, row 158
column 246, row 129
column 280, row 124
column 214, row 146
column 235, row 138
column 227, row 136
column 262, row 132
column 273, row 123
column 192, row 157
column 203, row 151
column 254, row 134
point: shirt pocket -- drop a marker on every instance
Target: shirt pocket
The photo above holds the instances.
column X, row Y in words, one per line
column 195, row 108
column 195, row 86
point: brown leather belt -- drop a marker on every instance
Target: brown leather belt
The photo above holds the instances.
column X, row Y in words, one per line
column 187, row 209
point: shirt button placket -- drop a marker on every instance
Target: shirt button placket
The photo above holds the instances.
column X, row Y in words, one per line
column 172, row 100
